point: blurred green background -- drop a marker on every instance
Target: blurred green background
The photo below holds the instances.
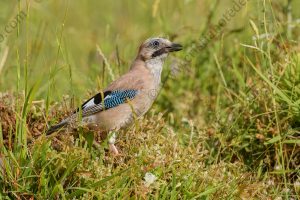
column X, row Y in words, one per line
column 77, row 27
column 80, row 26
column 234, row 101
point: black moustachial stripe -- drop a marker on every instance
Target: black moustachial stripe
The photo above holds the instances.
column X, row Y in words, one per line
column 159, row 52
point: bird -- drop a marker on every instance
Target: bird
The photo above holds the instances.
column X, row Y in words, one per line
column 127, row 98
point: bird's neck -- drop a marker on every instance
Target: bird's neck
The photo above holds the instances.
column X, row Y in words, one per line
column 154, row 66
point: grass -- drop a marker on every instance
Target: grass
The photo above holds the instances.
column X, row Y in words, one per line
column 225, row 125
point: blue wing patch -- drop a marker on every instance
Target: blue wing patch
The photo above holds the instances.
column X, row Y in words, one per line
column 118, row 97
column 111, row 99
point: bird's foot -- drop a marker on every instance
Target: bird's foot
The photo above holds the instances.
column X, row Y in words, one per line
column 111, row 142
column 113, row 149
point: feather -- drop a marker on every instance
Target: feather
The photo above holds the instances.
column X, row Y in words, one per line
column 98, row 103
column 111, row 100
column 56, row 127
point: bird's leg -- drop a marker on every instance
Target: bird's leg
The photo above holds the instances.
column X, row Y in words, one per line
column 111, row 143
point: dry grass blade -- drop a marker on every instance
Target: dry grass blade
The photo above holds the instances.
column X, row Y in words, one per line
column 3, row 58
column 110, row 71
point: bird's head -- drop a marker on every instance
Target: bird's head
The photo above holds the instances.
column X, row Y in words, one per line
column 157, row 49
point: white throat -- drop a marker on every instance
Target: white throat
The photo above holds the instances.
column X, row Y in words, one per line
column 155, row 65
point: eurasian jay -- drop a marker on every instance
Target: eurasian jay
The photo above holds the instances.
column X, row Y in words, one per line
column 128, row 97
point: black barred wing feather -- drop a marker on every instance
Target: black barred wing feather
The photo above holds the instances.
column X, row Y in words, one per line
column 105, row 101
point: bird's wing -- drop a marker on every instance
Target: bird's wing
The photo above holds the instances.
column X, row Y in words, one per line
column 104, row 101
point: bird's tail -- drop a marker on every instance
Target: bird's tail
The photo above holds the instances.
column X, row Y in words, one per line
column 56, row 127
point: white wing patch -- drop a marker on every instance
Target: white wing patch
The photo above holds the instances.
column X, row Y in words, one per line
column 89, row 103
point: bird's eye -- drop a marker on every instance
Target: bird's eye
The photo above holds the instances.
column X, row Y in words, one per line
column 155, row 43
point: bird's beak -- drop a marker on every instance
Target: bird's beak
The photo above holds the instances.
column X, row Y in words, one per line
column 174, row 47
